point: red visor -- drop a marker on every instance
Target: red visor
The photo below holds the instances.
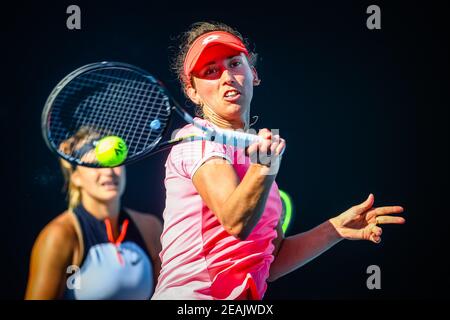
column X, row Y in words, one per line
column 207, row 40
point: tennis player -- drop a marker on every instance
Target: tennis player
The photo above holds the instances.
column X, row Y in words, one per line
column 97, row 249
column 222, row 236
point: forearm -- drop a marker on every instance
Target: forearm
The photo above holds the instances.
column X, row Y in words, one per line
column 243, row 209
column 297, row 250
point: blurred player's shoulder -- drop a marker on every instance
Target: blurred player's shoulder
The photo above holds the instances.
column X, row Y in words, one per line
column 62, row 225
column 59, row 235
column 148, row 220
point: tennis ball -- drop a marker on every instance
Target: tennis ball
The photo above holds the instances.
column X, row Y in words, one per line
column 111, row 151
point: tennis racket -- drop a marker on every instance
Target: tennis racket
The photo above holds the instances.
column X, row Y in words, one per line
column 117, row 99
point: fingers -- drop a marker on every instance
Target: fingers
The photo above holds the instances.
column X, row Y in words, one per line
column 366, row 205
column 274, row 144
column 377, row 231
column 280, row 148
column 375, row 234
column 252, row 148
column 278, row 145
column 388, row 210
column 265, row 134
column 264, row 146
column 389, row 220
column 381, row 218
column 375, row 239
column 270, row 144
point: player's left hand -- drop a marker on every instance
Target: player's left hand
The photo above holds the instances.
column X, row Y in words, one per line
column 362, row 222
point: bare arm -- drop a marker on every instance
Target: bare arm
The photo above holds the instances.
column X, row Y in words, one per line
column 360, row 222
column 239, row 205
column 295, row 251
column 52, row 253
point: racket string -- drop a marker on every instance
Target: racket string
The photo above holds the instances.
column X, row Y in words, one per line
column 118, row 105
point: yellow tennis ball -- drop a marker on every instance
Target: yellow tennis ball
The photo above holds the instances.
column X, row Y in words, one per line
column 111, row 151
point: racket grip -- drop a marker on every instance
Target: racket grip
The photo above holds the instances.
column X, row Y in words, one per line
column 235, row 138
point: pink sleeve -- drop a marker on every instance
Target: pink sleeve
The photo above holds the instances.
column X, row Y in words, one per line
column 188, row 157
column 209, row 150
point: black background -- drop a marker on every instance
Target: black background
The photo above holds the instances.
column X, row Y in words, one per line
column 362, row 111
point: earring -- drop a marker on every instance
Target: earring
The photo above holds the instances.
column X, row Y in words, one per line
column 254, row 120
column 256, row 82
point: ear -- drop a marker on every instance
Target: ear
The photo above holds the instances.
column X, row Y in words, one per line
column 192, row 94
column 256, row 80
column 75, row 178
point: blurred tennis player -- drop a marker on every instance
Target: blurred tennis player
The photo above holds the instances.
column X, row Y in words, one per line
column 115, row 249
column 222, row 236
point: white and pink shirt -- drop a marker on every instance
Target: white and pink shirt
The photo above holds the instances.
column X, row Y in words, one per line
column 200, row 260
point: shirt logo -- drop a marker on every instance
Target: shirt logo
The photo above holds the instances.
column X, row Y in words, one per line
column 135, row 258
column 209, row 39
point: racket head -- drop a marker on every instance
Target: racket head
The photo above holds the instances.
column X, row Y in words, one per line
column 105, row 99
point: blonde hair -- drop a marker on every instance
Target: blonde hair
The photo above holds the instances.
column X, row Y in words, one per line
column 84, row 135
column 72, row 191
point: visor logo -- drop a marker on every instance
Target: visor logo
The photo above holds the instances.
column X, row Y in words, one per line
column 209, row 39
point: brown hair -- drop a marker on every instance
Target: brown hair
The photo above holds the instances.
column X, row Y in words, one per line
column 187, row 38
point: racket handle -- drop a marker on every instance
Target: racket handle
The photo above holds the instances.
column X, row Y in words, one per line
column 236, row 138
